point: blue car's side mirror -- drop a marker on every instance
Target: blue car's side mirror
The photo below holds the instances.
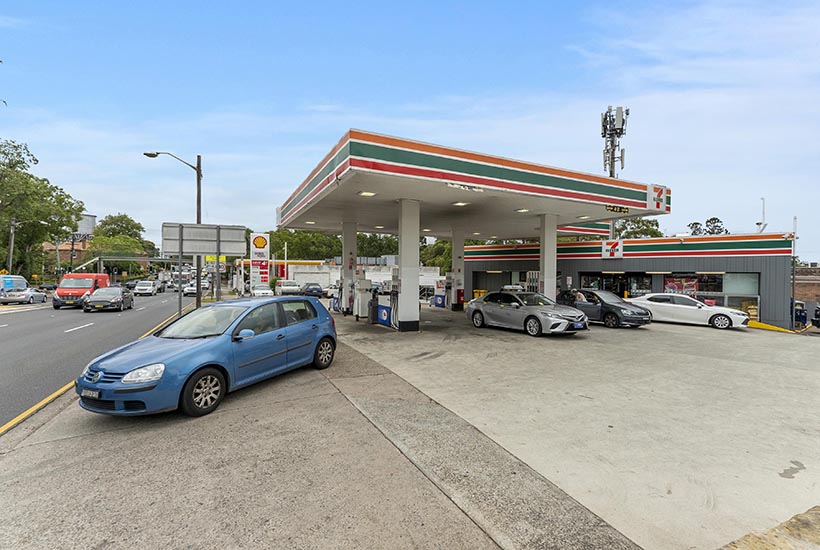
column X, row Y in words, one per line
column 244, row 334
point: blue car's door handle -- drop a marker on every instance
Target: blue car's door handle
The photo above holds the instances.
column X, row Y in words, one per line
column 280, row 336
column 314, row 327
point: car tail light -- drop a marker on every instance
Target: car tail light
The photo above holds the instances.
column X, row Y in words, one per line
column 333, row 321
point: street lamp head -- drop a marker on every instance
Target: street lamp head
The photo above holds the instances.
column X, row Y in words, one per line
column 152, row 155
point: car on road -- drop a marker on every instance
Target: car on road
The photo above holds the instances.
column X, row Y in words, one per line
column 529, row 311
column 680, row 308
column 161, row 286
column 26, row 295
column 193, row 362
column 189, row 289
column 146, row 288
column 130, row 285
column 75, row 288
column 312, row 289
column 286, row 286
column 603, row 306
column 112, row 297
column 48, row 286
column 261, row 290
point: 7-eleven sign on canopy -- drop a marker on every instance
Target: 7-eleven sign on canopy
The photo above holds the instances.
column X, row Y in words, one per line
column 656, row 198
column 612, row 249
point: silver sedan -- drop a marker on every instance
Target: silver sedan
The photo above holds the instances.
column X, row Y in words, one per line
column 532, row 312
column 24, row 296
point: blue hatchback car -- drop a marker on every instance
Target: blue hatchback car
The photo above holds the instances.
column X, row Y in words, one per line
column 192, row 363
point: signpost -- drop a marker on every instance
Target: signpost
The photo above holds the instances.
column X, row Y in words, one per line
column 260, row 256
column 192, row 239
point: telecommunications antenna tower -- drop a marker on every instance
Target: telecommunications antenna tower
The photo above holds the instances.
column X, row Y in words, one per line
column 613, row 126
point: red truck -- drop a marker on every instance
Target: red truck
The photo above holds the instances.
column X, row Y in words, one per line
column 75, row 288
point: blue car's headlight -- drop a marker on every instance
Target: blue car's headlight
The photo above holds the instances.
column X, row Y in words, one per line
column 85, row 370
column 148, row 373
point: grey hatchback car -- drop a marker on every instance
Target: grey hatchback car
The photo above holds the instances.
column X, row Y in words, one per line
column 534, row 313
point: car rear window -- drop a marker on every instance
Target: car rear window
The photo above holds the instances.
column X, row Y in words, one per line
column 298, row 311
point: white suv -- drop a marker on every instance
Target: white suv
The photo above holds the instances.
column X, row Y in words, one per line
column 146, row 287
column 286, row 286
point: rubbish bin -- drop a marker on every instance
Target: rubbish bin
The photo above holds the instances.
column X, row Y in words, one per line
column 477, row 293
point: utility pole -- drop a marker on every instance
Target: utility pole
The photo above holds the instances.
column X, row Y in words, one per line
column 613, row 127
column 11, row 244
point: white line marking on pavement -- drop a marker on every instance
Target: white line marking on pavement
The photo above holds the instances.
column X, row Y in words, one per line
column 164, row 302
column 3, row 326
column 79, row 327
column 140, row 308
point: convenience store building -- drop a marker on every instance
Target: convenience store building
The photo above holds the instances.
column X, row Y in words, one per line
column 747, row 272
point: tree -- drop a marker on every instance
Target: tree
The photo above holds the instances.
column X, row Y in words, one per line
column 40, row 211
column 373, row 245
column 695, row 228
column 715, row 227
column 712, row 226
column 636, row 228
column 438, row 254
column 120, row 224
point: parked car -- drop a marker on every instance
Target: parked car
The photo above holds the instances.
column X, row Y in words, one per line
column 146, row 288
column 312, row 289
column 603, row 306
column 331, row 290
column 261, row 290
column 112, row 297
column 75, row 288
column 192, row 363
column 286, row 286
column 529, row 311
column 679, row 308
column 27, row 295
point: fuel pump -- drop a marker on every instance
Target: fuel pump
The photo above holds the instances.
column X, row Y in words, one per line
column 455, row 291
column 395, row 290
column 362, row 297
column 448, row 289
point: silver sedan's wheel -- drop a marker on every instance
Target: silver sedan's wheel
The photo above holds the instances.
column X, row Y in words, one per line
column 31, row 300
column 323, row 356
column 203, row 392
column 478, row 319
column 532, row 326
column 720, row 321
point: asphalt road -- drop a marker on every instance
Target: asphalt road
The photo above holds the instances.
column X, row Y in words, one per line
column 42, row 349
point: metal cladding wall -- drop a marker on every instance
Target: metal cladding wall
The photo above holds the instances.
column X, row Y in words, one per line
column 775, row 274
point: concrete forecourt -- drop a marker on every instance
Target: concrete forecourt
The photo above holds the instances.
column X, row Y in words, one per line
column 663, row 437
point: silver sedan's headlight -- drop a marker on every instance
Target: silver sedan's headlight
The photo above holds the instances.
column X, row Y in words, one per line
column 551, row 315
column 148, row 373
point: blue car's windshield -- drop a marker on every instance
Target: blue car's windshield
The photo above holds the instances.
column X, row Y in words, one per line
column 203, row 322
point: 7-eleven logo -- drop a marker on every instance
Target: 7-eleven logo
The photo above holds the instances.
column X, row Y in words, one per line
column 612, row 249
column 656, row 197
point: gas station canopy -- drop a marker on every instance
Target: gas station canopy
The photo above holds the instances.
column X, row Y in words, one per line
column 363, row 178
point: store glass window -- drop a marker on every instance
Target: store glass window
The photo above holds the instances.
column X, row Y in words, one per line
column 741, row 283
column 749, row 304
column 683, row 283
column 710, row 283
column 640, row 284
column 591, row 282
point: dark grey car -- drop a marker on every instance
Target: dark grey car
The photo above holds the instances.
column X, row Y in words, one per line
column 529, row 311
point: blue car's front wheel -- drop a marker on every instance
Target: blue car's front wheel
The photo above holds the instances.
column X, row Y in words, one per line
column 203, row 392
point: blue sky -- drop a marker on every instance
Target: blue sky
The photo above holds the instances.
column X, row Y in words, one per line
column 723, row 95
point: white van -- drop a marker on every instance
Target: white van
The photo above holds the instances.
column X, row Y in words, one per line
column 286, row 286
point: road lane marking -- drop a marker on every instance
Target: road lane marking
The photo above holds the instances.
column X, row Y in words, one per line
column 3, row 326
column 79, row 327
column 140, row 308
column 34, row 408
column 164, row 302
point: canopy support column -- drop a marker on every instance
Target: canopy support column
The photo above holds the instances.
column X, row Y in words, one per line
column 348, row 271
column 548, row 263
column 408, row 302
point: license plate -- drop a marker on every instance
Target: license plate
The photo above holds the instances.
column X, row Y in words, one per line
column 578, row 325
column 69, row 302
column 99, row 307
column 94, row 394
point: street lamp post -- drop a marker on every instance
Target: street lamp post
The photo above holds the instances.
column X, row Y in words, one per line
column 198, row 170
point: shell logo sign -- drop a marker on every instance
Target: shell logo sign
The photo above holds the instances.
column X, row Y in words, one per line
column 260, row 241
